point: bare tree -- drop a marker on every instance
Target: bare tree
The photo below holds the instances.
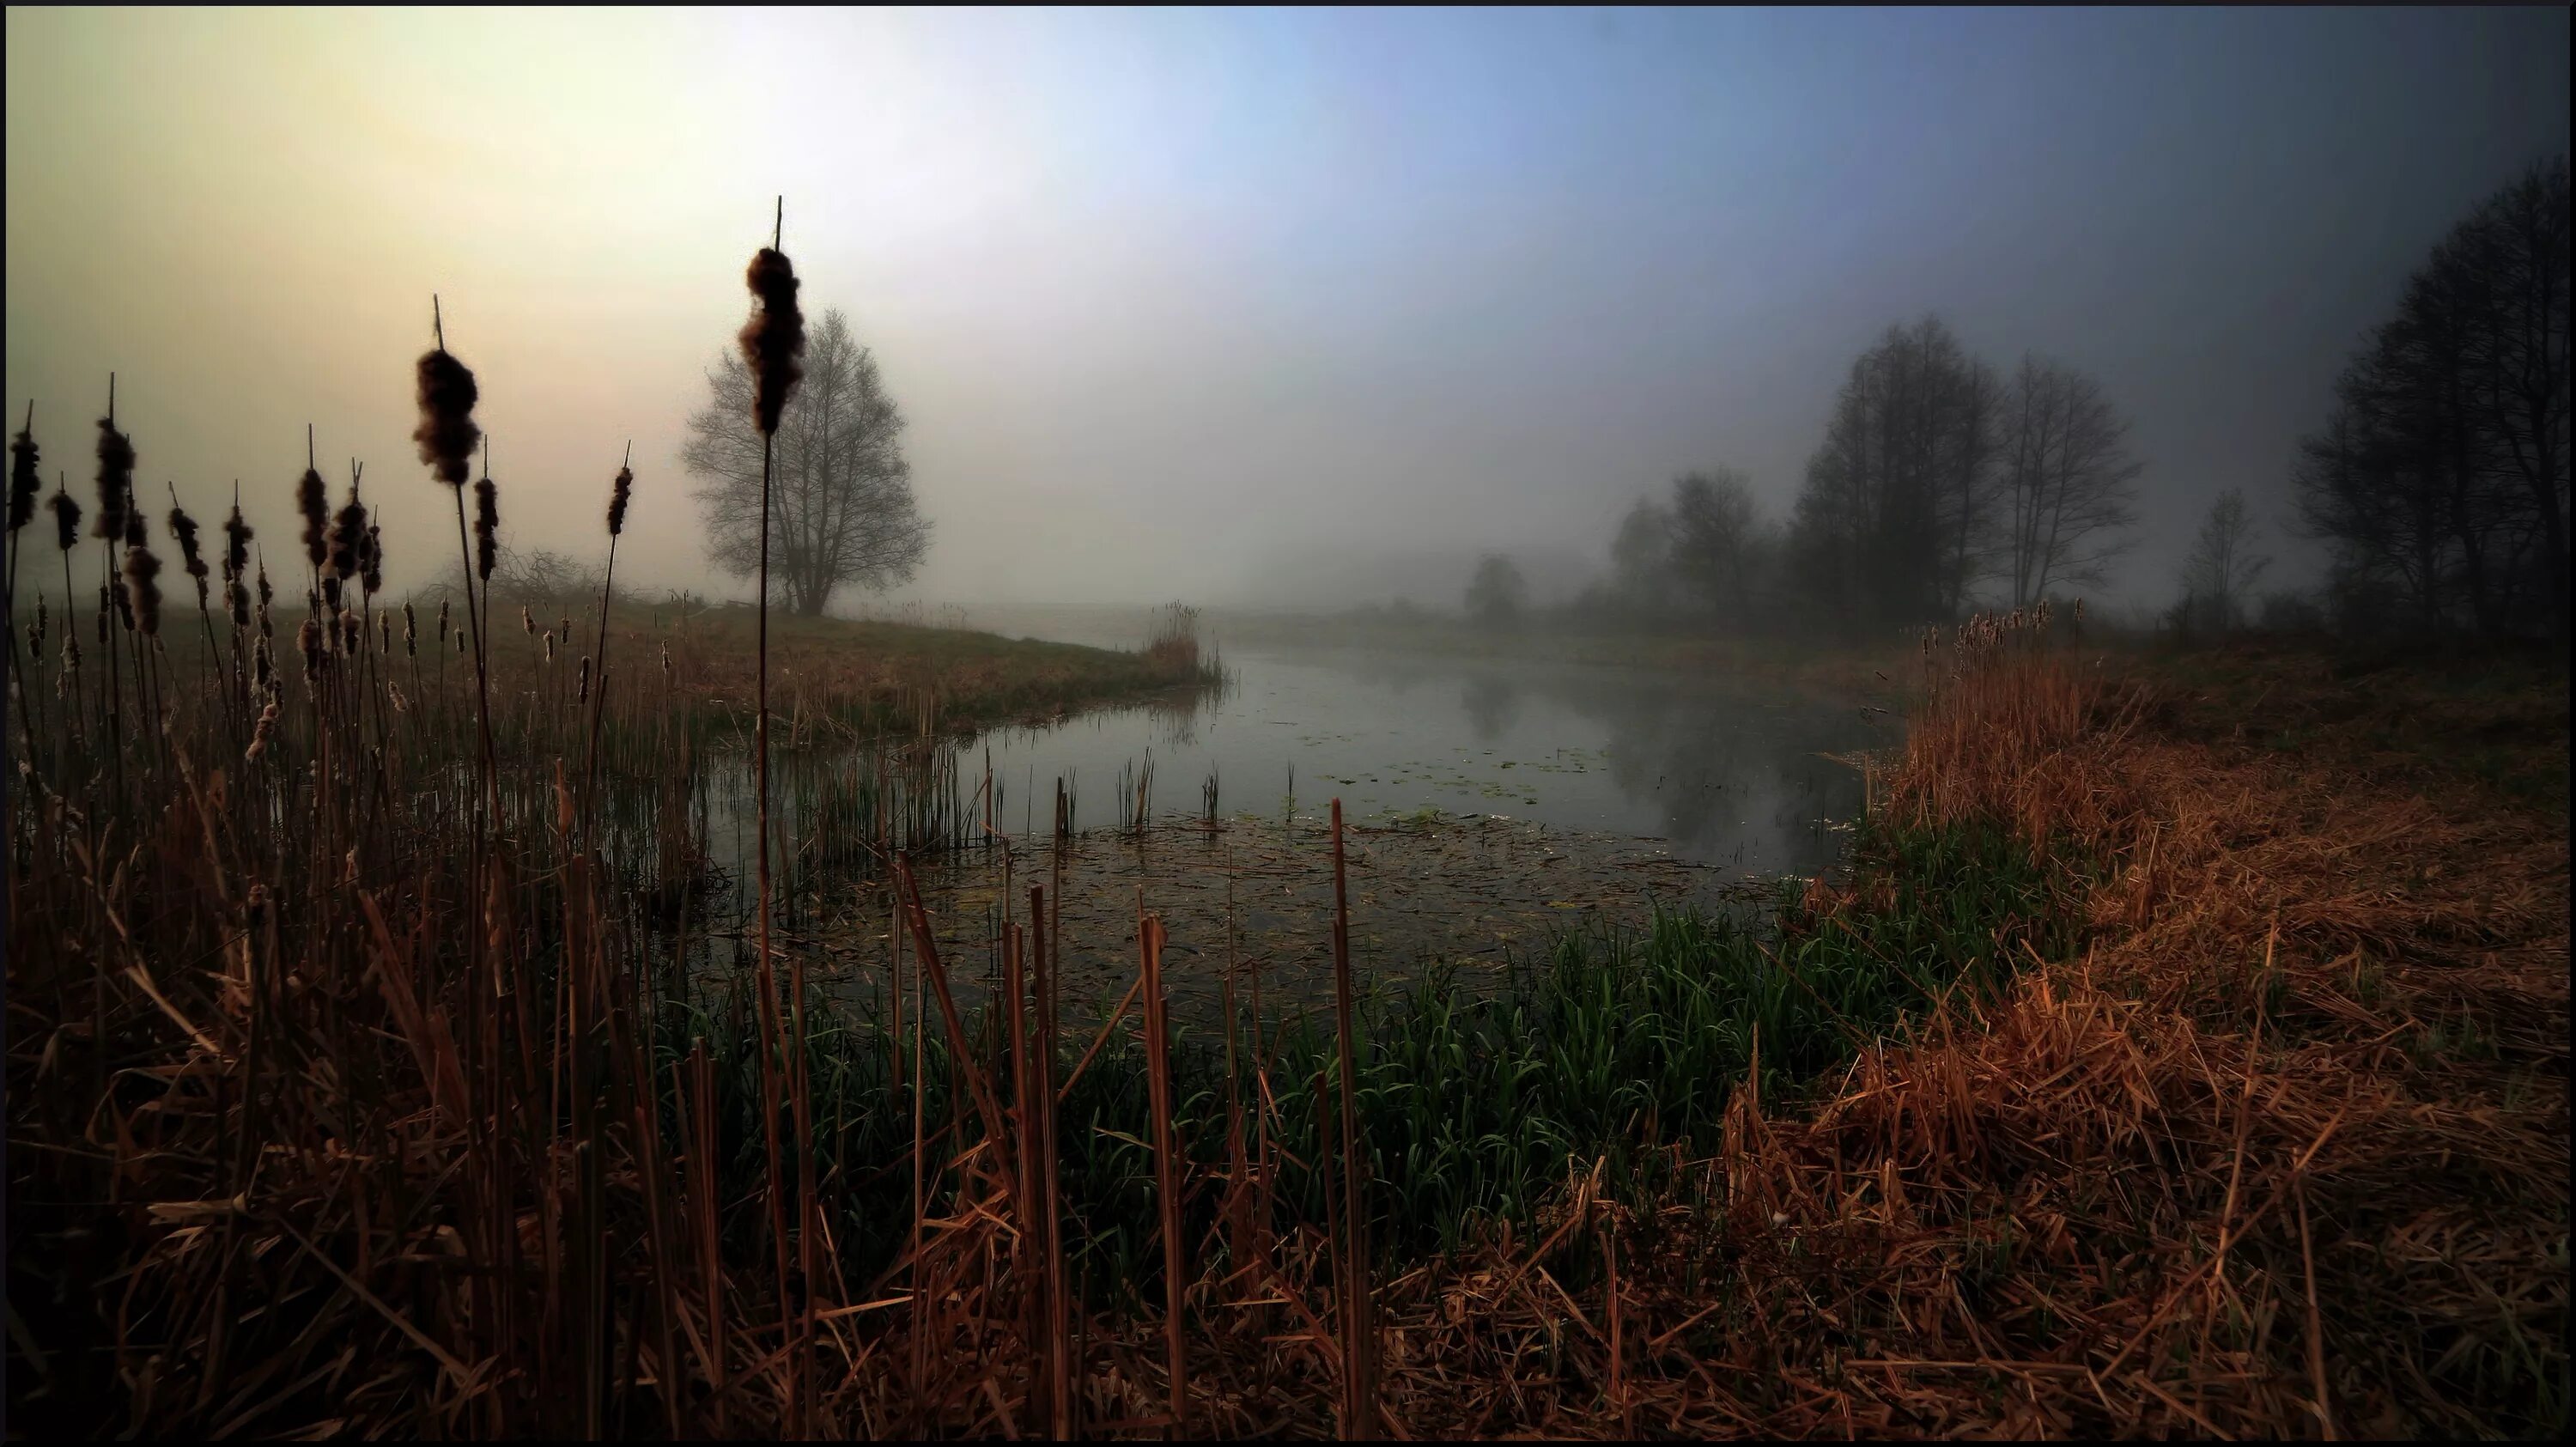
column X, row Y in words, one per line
column 2219, row 575
column 1895, row 523
column 1641, row 558
column 2440, row 479
column 2068, row 479
column 843, row 505
column 1716, row 539
column 1498, row 594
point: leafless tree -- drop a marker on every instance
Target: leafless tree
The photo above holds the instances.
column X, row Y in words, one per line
column 1498, row 594
column 1716, row 538
column 2068, row 479
column 843, row 506
column 2440, row 479
column 2219, row 576
column 1641, row 558
column 1896, row 521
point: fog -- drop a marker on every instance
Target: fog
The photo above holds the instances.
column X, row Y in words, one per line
column 1251, row 309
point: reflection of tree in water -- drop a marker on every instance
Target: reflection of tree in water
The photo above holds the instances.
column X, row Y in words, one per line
column 1492, row 704
column 1176, row 719
column 1726, row 770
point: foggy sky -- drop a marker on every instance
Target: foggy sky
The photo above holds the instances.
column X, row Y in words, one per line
column 1244, row 308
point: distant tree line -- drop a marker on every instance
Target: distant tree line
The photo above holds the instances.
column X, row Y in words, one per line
column 1939, row 484
column 2439, row 481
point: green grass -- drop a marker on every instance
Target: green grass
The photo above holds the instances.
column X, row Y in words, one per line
column 1474, row 1107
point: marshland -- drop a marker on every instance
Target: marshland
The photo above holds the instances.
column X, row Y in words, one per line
column 1770, row 811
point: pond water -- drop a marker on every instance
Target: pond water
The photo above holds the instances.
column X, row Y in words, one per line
column 1714, row 772
column 1490, row 806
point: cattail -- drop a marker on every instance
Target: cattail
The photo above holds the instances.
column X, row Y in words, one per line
column 460, row 643
column 115, row 481
column 237, row 536
column 258, row 746
column 123, row 602
column 71, row 647
column 666, row 659
column 184, row 528
column 527, row 621
column 348, row 532
column 385, row 633
column 266, row 628
column 563, row 630
column 67, row 515
column 550, row 645
column 447, row 434
column 411, row 631
column 442, row 621
column 308, row 641
column 350, row 631
column 313, row 500
column 582, row 693
column 36, row 634
column 487, row 525
column 24, row 485
column 623, row 489
column 263, row 665
column 371, row 560
column 141, row 573
column 773, row 340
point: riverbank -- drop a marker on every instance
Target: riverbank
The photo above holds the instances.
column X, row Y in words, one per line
column 2137, row 1145
column 2095, row 1096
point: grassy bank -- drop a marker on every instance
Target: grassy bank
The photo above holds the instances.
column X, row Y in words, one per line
column 2095, row 1098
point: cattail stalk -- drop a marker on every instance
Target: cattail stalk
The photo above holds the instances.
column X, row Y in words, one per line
column 1359, row 1331
column 772, row 342
column 621, row 491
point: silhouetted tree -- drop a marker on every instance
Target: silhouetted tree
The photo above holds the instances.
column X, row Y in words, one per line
column 1895, row 522
column 2067, row 480
column 2219, row 576
column 2440, row 478
column 843, row 510
column 1498, row 594
column 1716, row 539
column 1641, row 559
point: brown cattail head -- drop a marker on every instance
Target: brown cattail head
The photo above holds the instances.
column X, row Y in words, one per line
column 314, row 502
column 263, row 664
column 266, row 629
column 446, row 433
column 350, row 632
column 411, row 631
column 773, row 341
column 487, row 527
column 442, row 620
column 115, row 481
column 71, row 646
column 141, row 572
column 582, row 695
column 184, row 528
column 527, row 621
column 550, row 645
column 24, row 485
column 259, row 745
column 67, row 514
column 308, row 641
column 348, row 532
column 619, row 492
column 371, row 559
column 237, row 536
